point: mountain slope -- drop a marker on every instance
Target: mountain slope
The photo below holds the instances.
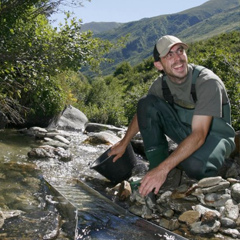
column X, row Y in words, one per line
column 99, row 27
column 209, row 19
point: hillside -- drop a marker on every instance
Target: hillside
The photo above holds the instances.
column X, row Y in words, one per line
column 198, row 23
column 99, row 27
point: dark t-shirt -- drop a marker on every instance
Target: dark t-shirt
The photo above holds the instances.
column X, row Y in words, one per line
column 210, row 91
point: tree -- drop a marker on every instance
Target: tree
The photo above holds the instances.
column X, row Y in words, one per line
column 32, row 53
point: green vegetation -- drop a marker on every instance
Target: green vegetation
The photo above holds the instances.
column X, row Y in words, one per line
column 40, row 65
column 205, row 21
column 33, row 54
column 113, row 99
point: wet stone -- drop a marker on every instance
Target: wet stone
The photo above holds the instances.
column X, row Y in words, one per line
column 62, row 139
column 50, row 152
column 150, row 200
column 216, row 199
column 209, row 218
column 146, row 212
column 183, row 191
column 55, row 143
column 202, row 210
column 168, row 213
column 180, row 205
column 231, row 232
column 137, row 197
column 136, row 209
column 164, row 197
column 231, row 210
column 172, row 224
column 235, row 192
column 199, row 228
column 189, row 217
column 221, row 186
column 124, row 190
column 102, row 138
column 227, row 223
column 208, row 182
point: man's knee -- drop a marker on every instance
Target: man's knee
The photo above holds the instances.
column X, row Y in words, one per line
column 145, row 102
column 194, row 168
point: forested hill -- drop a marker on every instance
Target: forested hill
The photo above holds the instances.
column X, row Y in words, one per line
column 198, row 23
column 99, row 27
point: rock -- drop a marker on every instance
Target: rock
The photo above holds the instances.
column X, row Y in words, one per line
column 235, row 192
column 63, row 154
column 180, row 205
column 171, row 225
column 97, row 127
column 70, row 118
column 183, row 191
column 227, row 223
column 61, row 139
column 219, row 187
column 216, row 199
column 164, row 197
column 102, row 138
column 2, row 219
column 50, row 152
column 136, row 197
column 6, row 214
column 146, row 212
column 208, row 182
column 189, row 217
column 136, row 209
column 124, row 190
column 231, row 210
column 231, row 232
column 209, row 218
column 169, row 213
column 202, row 210
column 150, row 200
column 54, row 143
column 199, row 228
column 42, row 152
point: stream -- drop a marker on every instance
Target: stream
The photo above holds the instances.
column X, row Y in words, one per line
column 41, row 199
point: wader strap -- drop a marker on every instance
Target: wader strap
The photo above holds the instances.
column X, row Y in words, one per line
column 167, row 93
column 196, row 71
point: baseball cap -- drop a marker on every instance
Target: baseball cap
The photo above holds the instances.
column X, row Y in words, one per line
column 164, row 44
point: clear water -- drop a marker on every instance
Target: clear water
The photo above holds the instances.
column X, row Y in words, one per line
column 51, row 195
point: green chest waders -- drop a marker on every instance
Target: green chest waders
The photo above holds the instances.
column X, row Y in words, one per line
column 157, row 118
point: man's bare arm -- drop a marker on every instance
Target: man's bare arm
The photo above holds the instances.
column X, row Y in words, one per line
column 157, row 176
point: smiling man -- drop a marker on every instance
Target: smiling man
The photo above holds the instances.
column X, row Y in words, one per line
column 189, row 104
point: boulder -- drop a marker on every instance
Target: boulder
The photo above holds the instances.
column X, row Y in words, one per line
column 70, row 118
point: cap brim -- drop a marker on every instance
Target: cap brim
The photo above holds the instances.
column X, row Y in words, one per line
column 185, row 46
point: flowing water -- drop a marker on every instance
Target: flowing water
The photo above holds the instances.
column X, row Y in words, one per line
column 49, row 199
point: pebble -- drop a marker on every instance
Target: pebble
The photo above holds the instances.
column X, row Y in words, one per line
column 207, row 207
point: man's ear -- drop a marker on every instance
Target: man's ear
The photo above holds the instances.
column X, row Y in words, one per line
column 158, row 65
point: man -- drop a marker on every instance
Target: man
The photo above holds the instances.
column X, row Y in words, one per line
column 191, row 107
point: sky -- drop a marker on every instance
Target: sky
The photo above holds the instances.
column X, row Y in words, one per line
column 123, row 11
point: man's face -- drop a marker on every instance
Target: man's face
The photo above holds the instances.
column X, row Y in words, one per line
column 174, row 64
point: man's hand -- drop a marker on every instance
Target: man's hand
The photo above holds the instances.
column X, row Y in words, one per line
column 153, row 180
column 117, row 149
